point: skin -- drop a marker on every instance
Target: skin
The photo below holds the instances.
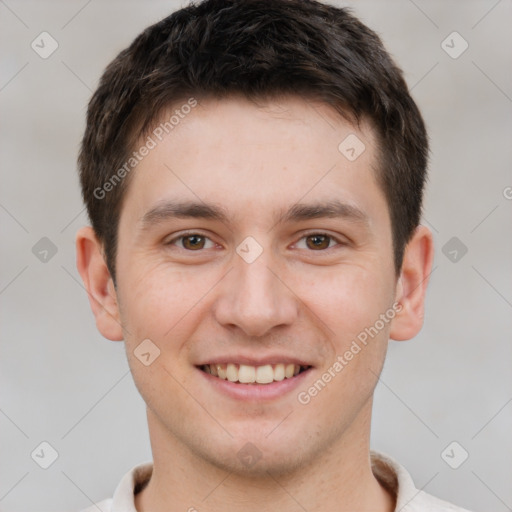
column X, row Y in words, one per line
column 294, row 299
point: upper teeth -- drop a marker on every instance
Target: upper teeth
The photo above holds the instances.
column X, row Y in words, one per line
column 248, row 374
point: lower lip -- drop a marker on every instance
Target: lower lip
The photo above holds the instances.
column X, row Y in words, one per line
column 256, row 392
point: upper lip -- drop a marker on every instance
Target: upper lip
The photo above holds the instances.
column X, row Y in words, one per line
column 253, row 360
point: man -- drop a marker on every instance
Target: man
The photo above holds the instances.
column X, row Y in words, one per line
column 254, row 171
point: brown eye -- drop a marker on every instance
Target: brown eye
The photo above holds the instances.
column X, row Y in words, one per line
column 193, row 242
column 316, row 242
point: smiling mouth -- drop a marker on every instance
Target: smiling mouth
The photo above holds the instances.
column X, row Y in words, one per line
column 245, row 374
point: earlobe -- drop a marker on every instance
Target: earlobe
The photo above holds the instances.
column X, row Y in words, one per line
column 98, row 283
column 412, row 285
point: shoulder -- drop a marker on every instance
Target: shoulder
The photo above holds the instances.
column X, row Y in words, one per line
column 123, row 499
column 397, row 480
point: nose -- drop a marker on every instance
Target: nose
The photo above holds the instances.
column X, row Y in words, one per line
column 254, row 298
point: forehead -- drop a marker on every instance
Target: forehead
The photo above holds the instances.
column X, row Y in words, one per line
column 260, row 158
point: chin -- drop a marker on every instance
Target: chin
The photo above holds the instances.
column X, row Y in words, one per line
column 258, row 456
column 264, row 463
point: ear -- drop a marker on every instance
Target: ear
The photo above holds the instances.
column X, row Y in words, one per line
column 412, row 285
column 98, row 283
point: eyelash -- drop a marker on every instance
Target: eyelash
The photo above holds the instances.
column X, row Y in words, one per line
column 318, row 233
column 186, row 235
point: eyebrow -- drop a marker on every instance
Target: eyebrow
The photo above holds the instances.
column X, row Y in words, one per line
column 298, row 212
column 333, row 208
column 182, row 210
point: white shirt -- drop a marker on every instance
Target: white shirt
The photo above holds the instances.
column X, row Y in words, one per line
column 394, row 477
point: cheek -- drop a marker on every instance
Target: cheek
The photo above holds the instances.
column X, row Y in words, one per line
column 348, row 303
column 162, row 303
column 347, row 298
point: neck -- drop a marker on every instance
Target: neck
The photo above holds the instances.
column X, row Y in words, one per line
column 340, row 479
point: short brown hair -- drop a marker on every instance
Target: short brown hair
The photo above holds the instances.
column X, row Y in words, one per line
column 259, row 49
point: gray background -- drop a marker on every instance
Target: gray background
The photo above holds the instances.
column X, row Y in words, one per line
column 64, row 384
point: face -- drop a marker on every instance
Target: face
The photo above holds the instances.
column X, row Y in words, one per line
column 254, row 255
